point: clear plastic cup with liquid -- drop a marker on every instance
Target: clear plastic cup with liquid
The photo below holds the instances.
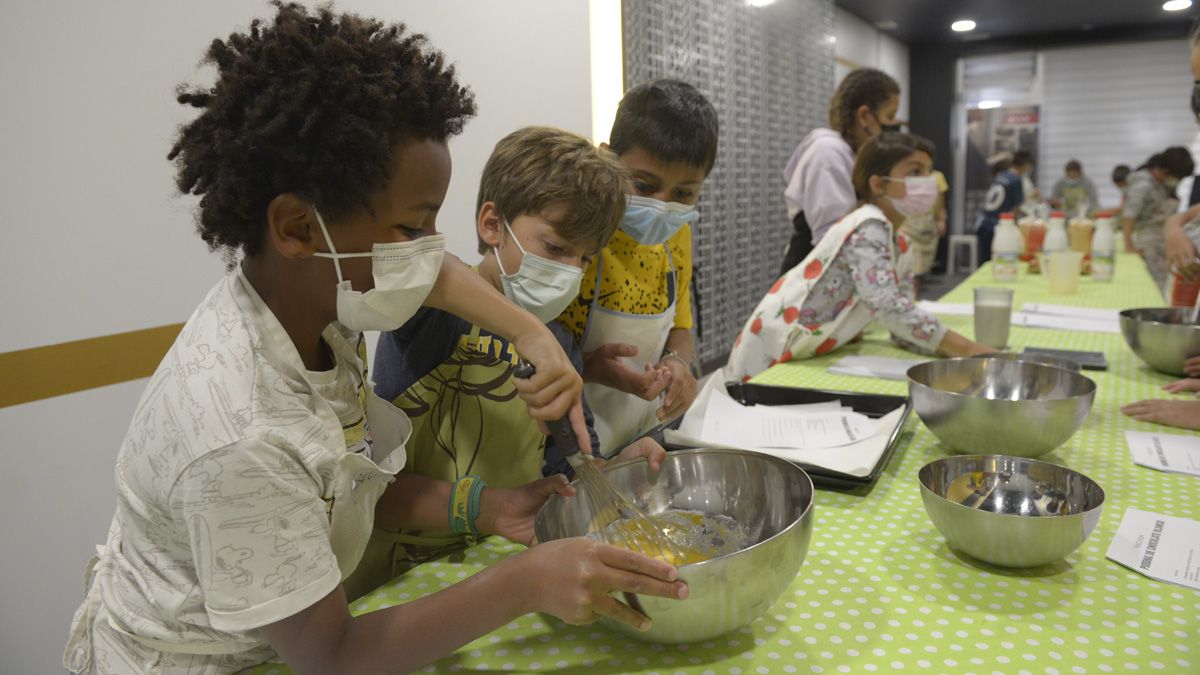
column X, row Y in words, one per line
column 993, row 316
column 1062, row 269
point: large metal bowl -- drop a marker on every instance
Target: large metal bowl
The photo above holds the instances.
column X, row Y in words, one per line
column 1010, row 511
column 1000, row 406
column 1161, row 336
column 771, row 497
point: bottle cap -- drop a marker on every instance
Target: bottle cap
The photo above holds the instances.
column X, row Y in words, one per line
column 1057, row 214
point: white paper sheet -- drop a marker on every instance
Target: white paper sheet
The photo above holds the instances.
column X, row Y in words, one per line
column 728, row 422
column 1165, row 452
column 1109, row 315
column 1057, row 322
column 947, row 308
column 856, row 459
column 874, row 366
column 1161, row 547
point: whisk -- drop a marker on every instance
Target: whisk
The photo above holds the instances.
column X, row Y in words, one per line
column 613, row 517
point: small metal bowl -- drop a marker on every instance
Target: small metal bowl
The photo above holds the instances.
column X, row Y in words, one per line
column 1003, row 406
column 1161, row 336
column 1010, row 511
column 1027, row 357
column 770, row 497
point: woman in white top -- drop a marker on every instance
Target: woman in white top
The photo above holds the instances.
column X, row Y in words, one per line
column 259, row 457
column 819, row 191
column 859, row 271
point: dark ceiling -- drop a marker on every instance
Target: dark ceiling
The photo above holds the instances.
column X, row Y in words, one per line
column 1026, row 22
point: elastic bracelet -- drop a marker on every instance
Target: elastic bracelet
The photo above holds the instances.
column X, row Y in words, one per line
column 672, row 354
column 460, row 493
column 474, row 502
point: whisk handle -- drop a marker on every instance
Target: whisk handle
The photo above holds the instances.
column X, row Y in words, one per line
column 565, row 444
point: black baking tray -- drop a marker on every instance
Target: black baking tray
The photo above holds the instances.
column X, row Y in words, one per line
column 1086, row 360
column 871, row 405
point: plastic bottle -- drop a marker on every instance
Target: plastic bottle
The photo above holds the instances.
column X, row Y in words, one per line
column 1007, row 245
column 1104, row 247
column 1056, row 234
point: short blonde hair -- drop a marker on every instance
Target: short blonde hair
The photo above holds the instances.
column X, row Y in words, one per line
column 535, row 169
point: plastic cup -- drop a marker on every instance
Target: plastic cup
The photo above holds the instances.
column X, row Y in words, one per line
column 993, row 315
column 1062, row 269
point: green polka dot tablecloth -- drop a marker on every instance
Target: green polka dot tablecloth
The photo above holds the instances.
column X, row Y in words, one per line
column 880, row 592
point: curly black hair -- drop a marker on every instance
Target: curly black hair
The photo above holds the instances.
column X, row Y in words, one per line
column 312, row 104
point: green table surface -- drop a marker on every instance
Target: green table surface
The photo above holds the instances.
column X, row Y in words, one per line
column 880, row 591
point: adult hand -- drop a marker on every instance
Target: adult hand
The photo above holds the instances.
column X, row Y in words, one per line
column 509, row 512
column 1182, row 414
column 1180, row 386
column 682, row 390
column 573, row 579
column 603, row 366
column 1181, row 251
column 555, row 391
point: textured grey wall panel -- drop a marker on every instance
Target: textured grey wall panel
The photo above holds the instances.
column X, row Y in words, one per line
column 769, row 72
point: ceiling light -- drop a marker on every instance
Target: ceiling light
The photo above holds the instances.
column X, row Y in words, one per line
column 964, row 25
column 1176, row 5
column 760, row 3
column 988, row 104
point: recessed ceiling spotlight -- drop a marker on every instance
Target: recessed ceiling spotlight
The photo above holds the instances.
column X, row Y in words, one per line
column 1176, row 5
column 964, row 25
column 988, row 104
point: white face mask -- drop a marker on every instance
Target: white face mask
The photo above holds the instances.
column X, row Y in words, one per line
column 404, row 274
column 540, row 286
column 920, row 195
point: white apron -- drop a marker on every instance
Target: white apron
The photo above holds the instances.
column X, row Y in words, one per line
column 775, row 331
column 359, row 478
column 620, row 417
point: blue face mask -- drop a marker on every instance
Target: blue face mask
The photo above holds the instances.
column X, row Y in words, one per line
column 651, row 222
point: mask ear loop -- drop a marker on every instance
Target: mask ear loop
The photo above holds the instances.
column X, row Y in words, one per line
column 332, row 255
column 519, row 248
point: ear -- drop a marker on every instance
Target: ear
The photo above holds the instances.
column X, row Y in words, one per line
column 292, row 226
column 604, row 146
column 489, row 225
column 862, row 114
column 877, row 185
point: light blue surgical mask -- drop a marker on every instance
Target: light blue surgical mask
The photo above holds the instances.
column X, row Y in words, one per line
column 651, row 222
column 540, row 286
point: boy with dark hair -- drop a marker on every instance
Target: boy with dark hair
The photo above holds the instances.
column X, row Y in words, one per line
column 1003, row 196
column 633, row 315
column 1120, row 178
column 548, row 202
column 1074, row 192
column 1149, row 202
column 248, row 480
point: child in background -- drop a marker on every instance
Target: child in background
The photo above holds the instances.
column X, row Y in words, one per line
column 1120, row 178
column 819, row 190
column 248, row 479
column 548, row 202
column 1149, row 202
column 1074, row 190
column 858, row 272
column 633, row 315
column 1004, row 196
column 923, row 232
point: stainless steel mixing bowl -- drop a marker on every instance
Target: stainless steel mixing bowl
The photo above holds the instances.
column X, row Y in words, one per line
column 1032, row 357
column 1000, row 406
column 1161, row 336
column 1010, row 511
column 771, row 497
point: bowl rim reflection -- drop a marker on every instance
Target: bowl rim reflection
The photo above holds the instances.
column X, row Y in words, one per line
column 812, row 494
column 1090, row 384
column 1126, row 314
column 925, row 488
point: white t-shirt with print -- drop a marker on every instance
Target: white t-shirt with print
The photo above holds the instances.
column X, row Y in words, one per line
column 226, row 489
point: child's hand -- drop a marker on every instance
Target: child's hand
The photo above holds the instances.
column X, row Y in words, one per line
column 1182, row 414
column 603, row 366
column 1180, row 386
column 681, row 392
column 509, row 512
column 1191, row 367
column 555, row 391
column 643, row 447
column 573, row 578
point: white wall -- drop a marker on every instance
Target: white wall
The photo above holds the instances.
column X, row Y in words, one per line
column 861, row 44
column 1113, row 104
column 96, row 242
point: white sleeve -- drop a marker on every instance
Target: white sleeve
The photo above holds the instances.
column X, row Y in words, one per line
column 259, row 533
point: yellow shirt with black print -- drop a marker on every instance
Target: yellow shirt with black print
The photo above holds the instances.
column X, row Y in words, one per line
column 635, row 281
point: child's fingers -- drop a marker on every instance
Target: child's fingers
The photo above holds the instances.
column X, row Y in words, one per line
column 606, row 605
column 579, row 425
column 631, row 561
